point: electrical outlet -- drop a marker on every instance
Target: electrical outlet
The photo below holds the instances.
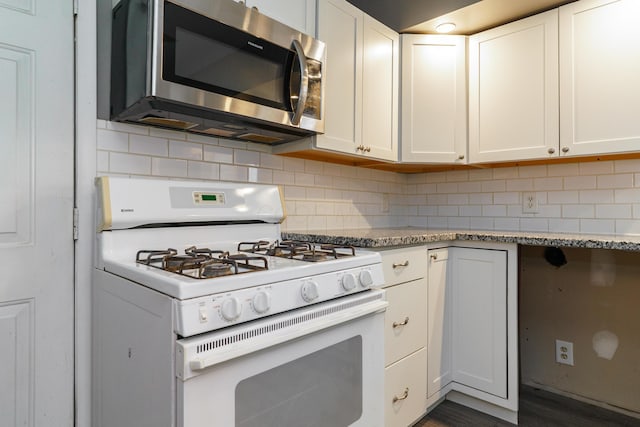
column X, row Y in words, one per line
column 564, row 352
column 529, row 202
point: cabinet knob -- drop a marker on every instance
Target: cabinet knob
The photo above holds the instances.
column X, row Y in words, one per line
column 367, row 149
column 405, row 394
column 565, row 149
column 551, row 150
column 360, row 147
column 434, row 256
column 460, row 156
column 400, row 264
column 403, row 323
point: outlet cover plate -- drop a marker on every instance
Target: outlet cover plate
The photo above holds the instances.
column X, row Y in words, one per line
column 564, row 352
column 530, row 202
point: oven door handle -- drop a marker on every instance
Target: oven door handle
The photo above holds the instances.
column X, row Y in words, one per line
column 303, row 91
column 189, row 364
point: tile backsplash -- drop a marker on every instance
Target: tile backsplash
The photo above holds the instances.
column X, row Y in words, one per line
column 600, row 197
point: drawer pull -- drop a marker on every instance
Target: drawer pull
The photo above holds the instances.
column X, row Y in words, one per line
column 400, row 264
column 404, row 322
column 434, row 256
column 403, row 397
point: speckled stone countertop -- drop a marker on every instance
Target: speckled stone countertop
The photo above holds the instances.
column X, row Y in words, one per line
column 389, row 237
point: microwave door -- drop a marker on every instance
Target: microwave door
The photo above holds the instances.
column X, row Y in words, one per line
column 298, row 83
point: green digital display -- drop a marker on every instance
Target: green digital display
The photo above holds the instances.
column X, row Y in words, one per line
column 209, row 198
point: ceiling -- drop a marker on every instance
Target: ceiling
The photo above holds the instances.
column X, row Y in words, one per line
column 470, row 16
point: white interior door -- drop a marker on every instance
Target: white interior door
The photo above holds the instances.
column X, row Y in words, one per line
column 36, row 203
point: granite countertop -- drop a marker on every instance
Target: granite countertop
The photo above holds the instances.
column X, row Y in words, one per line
column 389, row 237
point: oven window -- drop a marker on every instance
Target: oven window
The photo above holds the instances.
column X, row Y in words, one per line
column 205, row 54
column 318, row 390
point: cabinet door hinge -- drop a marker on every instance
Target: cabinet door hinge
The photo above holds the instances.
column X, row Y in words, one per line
column 76, row 216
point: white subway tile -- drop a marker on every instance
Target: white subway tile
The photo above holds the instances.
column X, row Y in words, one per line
column 458, row 176
column 313, row 167
column 480, row 174
column 168, row 167
column 481, row 223
column 596, row 196
column 537, row 171
column 579, row 182
column 481, row 199
column 101, row 124
column 494, row 210
column 246, row 158
column 294, row 192
column 271, row 161
column 231, row 143
column 596, row 168
column 167, row 134
column 129, row 163
column 457, row 199
column 494, row 186
column 447, row 188
column 458, row 223
column 627, row 196
column 626, row 166
column 436, row 199
column 549, row 211
column 234, row 173
column 560, row 197
column 213, row 153
column 615, row 181
column 508, row 198
column 505, row 173
column 336, row 223
column 185, row 150
column 436, row 177
column 323, row 180
column 295, row 223
column 424, row 189
column 305, row 208
column 438, row 222
column 578, row 211
column 614, row 211
column 112, row 141
column 418, row 221
column 150, row 145
column 259, row 175
column 472, row 210
column 534, row 224
column 316, row 193
column 520, row 185
column 507, row 224
column 203, row 139
column 564, row 169
column 470, row 187
column 282, row 177
column 325, row 208
column 636, row 211
column 627, row 227
column 427, row 210
column 447, row 211
column 547, row 184
column 102, row 161
column 291, row 164
column 597, row 226
column 304, row 179
column 128, row 128
column 560, row 225
column 203, row 170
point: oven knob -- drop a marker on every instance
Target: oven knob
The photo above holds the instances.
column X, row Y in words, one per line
column 348, row 281
column 366, row 279
column 309, row 291
column 261, row 302
column 231, row 309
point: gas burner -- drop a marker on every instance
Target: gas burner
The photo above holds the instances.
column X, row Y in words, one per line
column 201, row 263
column 303, row 251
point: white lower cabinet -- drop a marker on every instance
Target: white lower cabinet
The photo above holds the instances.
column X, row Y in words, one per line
column 479, row 330
column 405, row 390
column 439, row 322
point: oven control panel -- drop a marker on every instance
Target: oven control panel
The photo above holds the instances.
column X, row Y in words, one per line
column 217, row 311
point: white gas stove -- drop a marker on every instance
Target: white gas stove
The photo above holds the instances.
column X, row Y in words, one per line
column 215, row 248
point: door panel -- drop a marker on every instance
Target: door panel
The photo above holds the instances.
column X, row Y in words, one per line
column 36, row 212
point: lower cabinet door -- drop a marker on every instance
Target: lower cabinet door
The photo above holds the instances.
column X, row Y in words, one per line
column 406, row 390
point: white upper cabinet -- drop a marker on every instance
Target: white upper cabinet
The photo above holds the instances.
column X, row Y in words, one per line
column 513, row 91
column 434, row 99
column 361, row 75
column 599, row 77
column 300, row 14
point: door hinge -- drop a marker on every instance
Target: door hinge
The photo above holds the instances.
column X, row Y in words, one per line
column 76, row 217
column 75, row 7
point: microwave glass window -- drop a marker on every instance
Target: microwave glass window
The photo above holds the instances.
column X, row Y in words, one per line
column 325, row 386
column 222, row 65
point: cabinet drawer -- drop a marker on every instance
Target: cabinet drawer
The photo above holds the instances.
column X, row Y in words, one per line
column 405, row 390
column 405, row 319
column 404, row 264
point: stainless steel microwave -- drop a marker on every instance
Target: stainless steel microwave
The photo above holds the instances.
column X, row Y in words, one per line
column 215, row 67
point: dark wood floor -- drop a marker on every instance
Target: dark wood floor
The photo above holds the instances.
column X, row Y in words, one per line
column 538, row 408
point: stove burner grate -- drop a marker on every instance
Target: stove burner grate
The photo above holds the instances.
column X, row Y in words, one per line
column 293, row 249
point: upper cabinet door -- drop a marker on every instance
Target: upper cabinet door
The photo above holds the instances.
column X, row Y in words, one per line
column 380, row 80
column 340, row 27
column 434, row 99
column 599, row 69
column 513, row 91
column 300, row 14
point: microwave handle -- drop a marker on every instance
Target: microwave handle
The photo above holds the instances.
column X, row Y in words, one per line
column 304, row 83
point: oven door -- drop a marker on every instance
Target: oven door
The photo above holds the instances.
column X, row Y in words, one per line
column 315, row 367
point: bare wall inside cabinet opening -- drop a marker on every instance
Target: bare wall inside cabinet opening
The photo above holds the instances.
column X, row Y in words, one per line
column 592, row 301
